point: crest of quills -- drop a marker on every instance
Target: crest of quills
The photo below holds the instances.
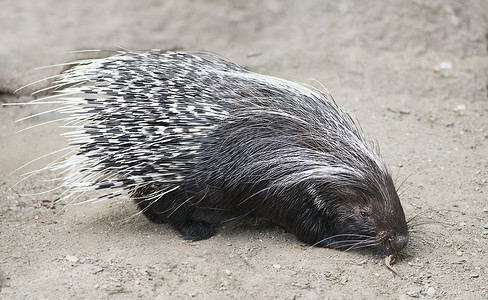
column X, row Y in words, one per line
column 195, row 139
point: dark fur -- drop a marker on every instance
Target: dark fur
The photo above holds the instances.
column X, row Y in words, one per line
column 269, row 148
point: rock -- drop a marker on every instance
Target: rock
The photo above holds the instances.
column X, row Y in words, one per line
column 343, row 280
column 445, row 65
column 431, row 291
column 460, row 107
column 71, row 258
column 414, row 292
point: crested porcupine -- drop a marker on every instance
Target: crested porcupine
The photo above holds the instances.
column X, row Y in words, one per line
column 195, row 139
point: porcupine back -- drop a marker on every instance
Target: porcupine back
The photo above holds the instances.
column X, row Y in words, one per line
column 196, row 139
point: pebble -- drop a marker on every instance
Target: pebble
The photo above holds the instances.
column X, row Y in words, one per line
column 343, row 280
column 71, row 258
column 459, row 253
column 253, row 54
column 460, row 107
column 431, row 291
column 97, row 270
column 414, row 292
column 486, row 226
column 277, row 266
column 445, row 65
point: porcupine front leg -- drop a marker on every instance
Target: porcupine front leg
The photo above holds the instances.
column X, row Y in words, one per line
column 148, row 207
column 173, row 208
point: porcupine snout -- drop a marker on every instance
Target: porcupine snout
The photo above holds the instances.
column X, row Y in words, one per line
column 398, row 242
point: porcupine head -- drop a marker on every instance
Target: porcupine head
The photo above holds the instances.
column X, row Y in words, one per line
column 196, row 139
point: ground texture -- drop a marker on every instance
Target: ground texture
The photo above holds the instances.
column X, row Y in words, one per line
column 415, row 74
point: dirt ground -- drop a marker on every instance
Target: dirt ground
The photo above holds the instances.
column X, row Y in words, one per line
column 414, row 73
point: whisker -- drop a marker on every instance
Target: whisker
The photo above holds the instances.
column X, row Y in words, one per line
column 425, row 222
column 338, row 236
column 406, row 178
column 362, row 244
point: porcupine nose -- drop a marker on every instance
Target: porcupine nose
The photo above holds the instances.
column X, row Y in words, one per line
column 399, row 242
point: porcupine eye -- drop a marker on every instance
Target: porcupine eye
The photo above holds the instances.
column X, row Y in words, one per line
column 363, row 214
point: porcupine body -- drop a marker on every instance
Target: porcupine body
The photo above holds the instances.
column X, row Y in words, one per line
column 196, row 139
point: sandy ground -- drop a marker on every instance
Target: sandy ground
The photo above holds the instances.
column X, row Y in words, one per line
column 415, row 74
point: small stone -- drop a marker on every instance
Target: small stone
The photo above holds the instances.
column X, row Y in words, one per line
column 462, row 224
column 253, row 54
column 276, row 266
column 97, row 270
column 474, row 275
column 71, row 258
column 459, row 253
column 460, row 107
column 486, row 226
column 414, row 293
column 431, row 291
column 445, row 65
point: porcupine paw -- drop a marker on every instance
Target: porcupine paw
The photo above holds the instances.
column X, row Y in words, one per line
column 195, row 230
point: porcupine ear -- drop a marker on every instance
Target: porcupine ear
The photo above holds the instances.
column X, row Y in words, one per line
column 336, row 192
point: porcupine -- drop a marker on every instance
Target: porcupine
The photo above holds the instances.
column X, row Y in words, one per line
column 196, row 139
